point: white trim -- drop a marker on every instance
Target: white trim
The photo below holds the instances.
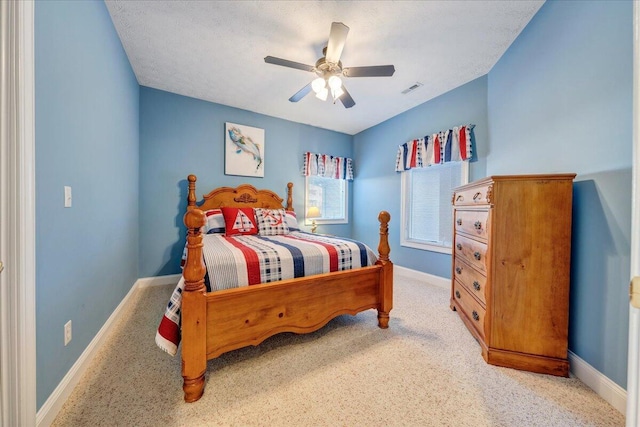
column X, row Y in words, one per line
column 49, row 410
column 146, row 282
column 431, row 247
column 611, row 392
column 633, row 355
column 438, row 281
column 17, row 208
column 603, row 386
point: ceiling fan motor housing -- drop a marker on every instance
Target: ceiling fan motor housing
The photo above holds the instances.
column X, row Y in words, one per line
column 327, row 69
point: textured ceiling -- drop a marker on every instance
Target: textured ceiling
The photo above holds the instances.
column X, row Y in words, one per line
column 214, row 50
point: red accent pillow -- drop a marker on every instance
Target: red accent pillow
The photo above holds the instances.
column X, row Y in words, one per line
column 239, row 221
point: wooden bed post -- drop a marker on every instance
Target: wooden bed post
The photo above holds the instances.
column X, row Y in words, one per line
column 194, row 304
column 386, row 274
column 290, row 197
column 191, row 197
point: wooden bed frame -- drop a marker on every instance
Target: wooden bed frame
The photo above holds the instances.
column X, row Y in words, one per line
column 216, row 322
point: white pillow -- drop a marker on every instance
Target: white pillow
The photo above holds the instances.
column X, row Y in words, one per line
column 215, row 222
column 292, row 221
column 271, row 222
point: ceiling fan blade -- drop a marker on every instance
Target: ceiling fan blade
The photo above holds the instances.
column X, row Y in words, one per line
column 337, row 37
column 301, row 93
column 287, row 63
column 346, row 98
column 372, row 71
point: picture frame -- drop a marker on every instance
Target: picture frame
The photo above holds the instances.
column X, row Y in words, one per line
column 244, row 150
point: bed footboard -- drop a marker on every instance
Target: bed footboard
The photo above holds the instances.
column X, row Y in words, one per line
column 221, row 321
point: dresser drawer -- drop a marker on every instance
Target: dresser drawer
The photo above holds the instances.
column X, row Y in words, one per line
column 472, row 196
column 472, row 251
column 474, row 222
column 470, row 278
column 471, row 309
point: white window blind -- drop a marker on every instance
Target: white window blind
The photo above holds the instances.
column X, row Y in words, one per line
column 330, row 196
column 426, row 205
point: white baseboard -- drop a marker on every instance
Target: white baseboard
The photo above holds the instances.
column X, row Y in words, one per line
column 611, row 392
column 419, row 275
column 49, row 410
column 146, row 282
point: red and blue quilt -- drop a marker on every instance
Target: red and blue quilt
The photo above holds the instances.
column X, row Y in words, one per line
column 235, row 261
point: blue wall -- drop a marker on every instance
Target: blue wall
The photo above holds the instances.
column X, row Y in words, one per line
column 181, row 136
column 86, row 110
column 377, row 185
column 560, row 100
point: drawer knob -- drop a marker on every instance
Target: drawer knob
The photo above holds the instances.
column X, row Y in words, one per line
column 476, row 255
column 457, row 294
column 459, row 198
column 476, row 285
column 459, row 246
column 478, row 225
column 476, row 196
column 459, row 270
column 475, row 315
column 459, row 221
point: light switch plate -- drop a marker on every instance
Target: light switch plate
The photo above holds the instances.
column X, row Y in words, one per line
column 67, row 332
column 67, row 196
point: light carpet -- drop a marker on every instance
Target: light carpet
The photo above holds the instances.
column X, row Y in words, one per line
column 425, row 370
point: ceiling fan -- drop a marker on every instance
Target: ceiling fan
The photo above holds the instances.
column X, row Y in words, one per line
column 329, row 69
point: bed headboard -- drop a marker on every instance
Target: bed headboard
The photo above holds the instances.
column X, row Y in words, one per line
column 244, row 195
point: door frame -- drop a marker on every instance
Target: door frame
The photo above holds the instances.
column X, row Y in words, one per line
column 17, row 210
column 633, row 365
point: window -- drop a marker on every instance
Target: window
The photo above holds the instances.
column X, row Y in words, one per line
column 426, row 205
column 330, row 197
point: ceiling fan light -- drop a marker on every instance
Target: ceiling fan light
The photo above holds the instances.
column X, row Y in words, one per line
column 337, row 93
column 335, row 82
column 318, row 84
column 323, row 94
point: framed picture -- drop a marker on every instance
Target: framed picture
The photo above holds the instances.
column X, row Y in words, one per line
column 244, row 150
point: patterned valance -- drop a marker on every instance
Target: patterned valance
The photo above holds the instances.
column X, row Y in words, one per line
column 453, row 145
column 327, row 166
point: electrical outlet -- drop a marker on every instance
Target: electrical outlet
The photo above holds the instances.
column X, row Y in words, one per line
column 67, row 332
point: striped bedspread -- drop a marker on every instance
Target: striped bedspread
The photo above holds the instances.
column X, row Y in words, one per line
column 248, row 260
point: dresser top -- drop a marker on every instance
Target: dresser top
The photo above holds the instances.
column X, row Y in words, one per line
column 531, row 177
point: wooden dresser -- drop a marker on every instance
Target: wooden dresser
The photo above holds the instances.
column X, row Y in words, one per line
column 510, row 278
